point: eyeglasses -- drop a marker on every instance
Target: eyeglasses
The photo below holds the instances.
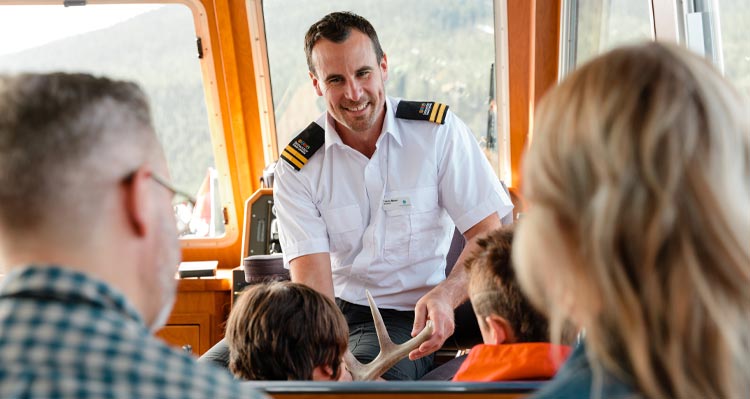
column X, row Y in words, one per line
column 177, row 192
column 183, row 203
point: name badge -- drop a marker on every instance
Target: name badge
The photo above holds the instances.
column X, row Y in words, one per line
column 390, row 204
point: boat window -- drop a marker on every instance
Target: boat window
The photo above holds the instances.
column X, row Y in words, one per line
column 734, row 16
column 151, row 44
column 595, row 26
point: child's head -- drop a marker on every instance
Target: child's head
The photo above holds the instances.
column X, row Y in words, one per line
column 286, row 331
column 503, row 312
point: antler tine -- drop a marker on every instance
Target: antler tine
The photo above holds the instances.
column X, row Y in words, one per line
column 383, row 338
column 390, row 353
column 356, row 369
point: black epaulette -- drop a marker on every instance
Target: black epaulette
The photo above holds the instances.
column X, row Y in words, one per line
column 299, row 150
column 422, row 111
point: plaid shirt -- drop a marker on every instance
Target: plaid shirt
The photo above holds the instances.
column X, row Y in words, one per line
column 65, row 335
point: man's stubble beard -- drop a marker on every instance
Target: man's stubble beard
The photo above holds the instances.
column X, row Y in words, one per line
column 168, row 256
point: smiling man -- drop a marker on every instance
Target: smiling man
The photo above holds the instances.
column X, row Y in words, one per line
column 368, row 196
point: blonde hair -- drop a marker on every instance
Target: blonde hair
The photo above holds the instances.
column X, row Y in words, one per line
column 639, row 172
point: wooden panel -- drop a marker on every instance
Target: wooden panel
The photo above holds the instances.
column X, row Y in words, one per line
column 533, row 48
column 221, row 282
column 205, row 302
column 191, row 329
column 520, row 78
column 214, row 305
column 546, row 46
column 181, row 335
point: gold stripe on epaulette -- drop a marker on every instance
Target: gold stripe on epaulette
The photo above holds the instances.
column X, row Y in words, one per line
column 435, row 107
column 289, row 157
column 296, row 154
column 441, row 113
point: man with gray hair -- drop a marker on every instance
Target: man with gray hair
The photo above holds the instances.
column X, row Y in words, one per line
column 89, row 244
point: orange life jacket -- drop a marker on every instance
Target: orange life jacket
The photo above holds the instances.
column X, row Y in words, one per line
column 522, row 361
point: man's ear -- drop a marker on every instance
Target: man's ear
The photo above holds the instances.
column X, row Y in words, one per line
column 384, row 67
column 322, row 373
column 136, row 200
column 500, row 330
column 316, row 84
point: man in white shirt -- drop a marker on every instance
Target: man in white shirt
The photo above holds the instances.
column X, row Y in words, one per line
column 367, row 196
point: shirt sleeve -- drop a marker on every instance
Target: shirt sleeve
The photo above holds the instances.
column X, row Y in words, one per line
column 468, row 188
column 302, row 230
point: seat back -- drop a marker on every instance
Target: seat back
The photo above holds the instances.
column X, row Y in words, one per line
column 466, row 333
column 458, row 242
column 395, row 390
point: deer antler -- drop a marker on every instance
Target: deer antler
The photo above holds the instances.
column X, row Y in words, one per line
column 390, row 353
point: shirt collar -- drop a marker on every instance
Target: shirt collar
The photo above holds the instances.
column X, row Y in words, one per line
column 389, row 124
column 332, row 137
column 54, row 281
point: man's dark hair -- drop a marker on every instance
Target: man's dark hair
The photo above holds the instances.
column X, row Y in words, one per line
column 282, row 331
column 493, row 288
column 336, row 27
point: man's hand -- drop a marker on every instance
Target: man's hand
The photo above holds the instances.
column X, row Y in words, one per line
column 438, row 308
column 438, row 305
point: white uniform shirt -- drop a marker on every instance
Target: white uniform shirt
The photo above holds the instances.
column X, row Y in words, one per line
column 387, row 221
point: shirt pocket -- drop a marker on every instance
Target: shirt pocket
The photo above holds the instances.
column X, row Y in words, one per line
column 407, row 226
column 343, row 224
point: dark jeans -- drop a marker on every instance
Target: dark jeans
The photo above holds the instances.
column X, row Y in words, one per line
column 363, row 340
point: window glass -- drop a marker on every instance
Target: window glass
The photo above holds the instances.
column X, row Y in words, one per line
column 153, row 45
column 735, row 15
column 438, row 50
column 605, row 24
